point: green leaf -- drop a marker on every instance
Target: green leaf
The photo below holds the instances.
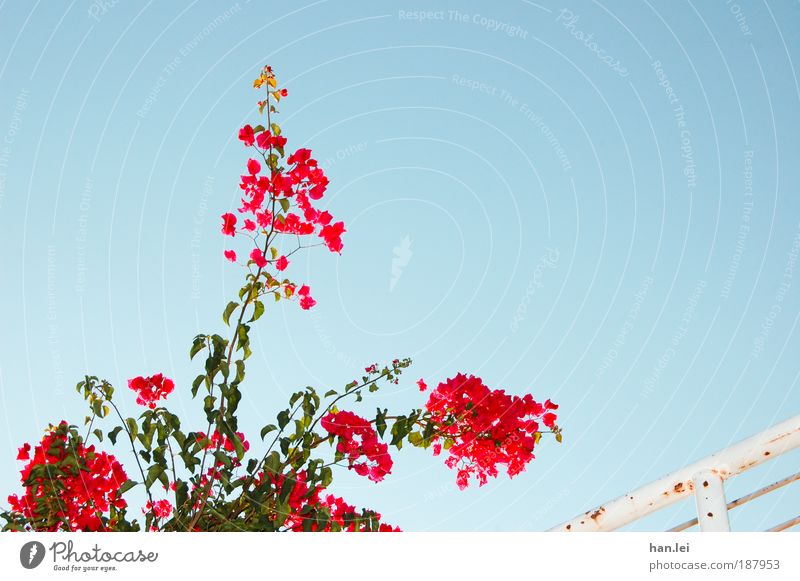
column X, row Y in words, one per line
column 133, row 427
column 98, row 433
column 258, row 310
column 272, row 463
column 285, row 204
column 331, row 392
column 380, row 422
column 283, row 418
column 226, row 315
column 267, row 429
column 276, row 130
column 558, row 437
column 223, row 458
column 127, row 485
column 327, row 476
column 239, row 370
column 238, row 446
column 112, row 435
column 197, row 346
column 154, row 472
column 181, row 493
column 196, row 383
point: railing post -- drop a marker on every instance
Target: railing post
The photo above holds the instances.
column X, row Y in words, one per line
column 712, row 508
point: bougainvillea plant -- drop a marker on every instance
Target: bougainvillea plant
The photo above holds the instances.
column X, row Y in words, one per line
column 212, row 478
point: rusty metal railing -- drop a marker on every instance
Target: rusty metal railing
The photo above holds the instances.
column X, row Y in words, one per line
column 704, row 480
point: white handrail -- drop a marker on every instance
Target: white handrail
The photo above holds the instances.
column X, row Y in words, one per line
column 678, row 485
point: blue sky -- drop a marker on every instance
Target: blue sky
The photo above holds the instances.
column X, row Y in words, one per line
column 593, row 202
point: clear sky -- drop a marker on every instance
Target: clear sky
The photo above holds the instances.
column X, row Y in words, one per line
column 593, row 202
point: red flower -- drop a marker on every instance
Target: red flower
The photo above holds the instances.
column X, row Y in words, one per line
column 301, row 156
column 230, row 255
column 422, row 385
column 266, row 140
column 249, row 225
column 161, row 508
column 228, row 224
column 258, row 257
column 221, row 440
column 281, row 263
column 23, row 453
column 485, row 428
column 253, row 166
column 356, row 439
column 246, row 135
column 150, row 389
column 75, row 485
column 332, row 234
column 304, row 501
column 306, row 302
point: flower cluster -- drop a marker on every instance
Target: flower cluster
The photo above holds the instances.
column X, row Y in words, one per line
column 279, row 199
column 482, row 428
column 160, row 508
column 357, row 439
column 224, row 442
column 151, row 389
column 302, row 500
column 68, row 485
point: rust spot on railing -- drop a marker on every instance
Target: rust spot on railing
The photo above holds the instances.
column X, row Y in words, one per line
column 747, row 466
column 782, row 436
column 721, row 473
column 678, row 487
column 596, row 514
